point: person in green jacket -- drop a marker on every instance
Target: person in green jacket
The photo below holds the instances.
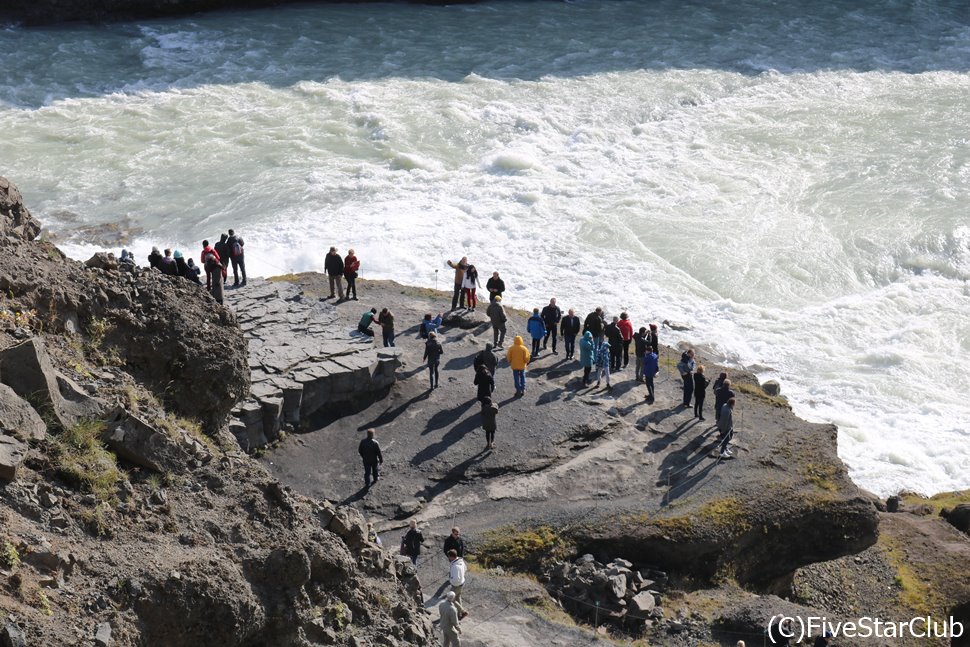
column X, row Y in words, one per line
column 366, row 321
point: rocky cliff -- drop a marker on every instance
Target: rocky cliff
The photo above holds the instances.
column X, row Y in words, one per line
column 128, row 513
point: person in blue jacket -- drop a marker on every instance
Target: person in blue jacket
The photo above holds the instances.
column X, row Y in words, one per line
column 651, row 366
column 429, row 325
column 537, row 330
column 586, row 355
column 603, row 361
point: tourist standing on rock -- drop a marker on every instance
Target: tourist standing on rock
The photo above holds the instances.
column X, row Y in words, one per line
column 489, row 414
column 471, row 284
column 686, row 366
column 655, row 339
column 569, row 328
column 700, row 391
column 595, row 323
column 537, row 330
column 370, row 453
column 432, row 353
column 485, row 383
column 496, row 314
column 518, row 357
column 458, row 298
column 181, row 269
column 351, row 267
column 167, row 264
column 495, row 286
column 725, row 428
column 365, row 321
column 334, row 266
column 456, row 577
column 626, row 330
column 587, row 355
column 718, row 383
column 429, row 325
column 237, row 256
column 222, row 248
column 455, row 542
column 603, row 360
column 615, row 337
column 487, row 359
column 449, row 621
column 721, row 396
column 386, row 320
column 156, row 256
column 411, row 542
column 551, row 316
column 640, row 349
column 192, row 271
column 213, row 270
column 372, row 535
column 651, row 366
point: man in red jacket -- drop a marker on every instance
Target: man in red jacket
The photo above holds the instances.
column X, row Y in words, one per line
column 210, row 256
column 626, row 330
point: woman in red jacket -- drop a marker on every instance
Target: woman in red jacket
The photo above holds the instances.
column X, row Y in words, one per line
column 351, row 265
column 626, row 330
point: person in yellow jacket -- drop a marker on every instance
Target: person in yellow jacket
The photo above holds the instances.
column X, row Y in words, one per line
column 518, row 356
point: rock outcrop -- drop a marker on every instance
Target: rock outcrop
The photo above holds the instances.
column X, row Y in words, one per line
column 15, row 220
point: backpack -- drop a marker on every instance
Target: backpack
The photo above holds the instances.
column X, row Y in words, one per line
column 211, row 264
column 236, row 249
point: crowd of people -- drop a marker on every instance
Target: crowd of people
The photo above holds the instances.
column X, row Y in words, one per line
column 214, row 260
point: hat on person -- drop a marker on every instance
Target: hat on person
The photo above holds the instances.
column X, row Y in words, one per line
column 178, row 254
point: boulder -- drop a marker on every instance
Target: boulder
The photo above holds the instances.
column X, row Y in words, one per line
column 15, row 219
column 138, row 442
column 12, row 454
column 772, row 388
column 618, row 586
column 10, row 634
column 465, row 319
column 959, row 517
column 17, row 416
column 102, row 635
column 643, row 602
column 102, row 261
column 27, row 369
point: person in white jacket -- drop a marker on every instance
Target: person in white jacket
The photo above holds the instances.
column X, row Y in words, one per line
column 471, row 284
column 456, row 577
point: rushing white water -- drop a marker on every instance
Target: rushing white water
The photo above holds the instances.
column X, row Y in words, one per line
column 793, row 185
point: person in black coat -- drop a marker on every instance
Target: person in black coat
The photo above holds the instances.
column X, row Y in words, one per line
column 615, row 337
column 654, row 339
column 551, row 316
column 641, row 341
column 455, row 542
column 485, row 383
column 370, row 452
column 495, row 286
column 721, row 396
column 700, row 391
column 333, row 264
column 222, row 249
column 411, row 542
column 487, row 359
column 570, row 328
column 432, row 353
column 595, row 324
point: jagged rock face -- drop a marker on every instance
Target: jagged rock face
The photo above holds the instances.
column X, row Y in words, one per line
column 15, row 219
column 166, row 330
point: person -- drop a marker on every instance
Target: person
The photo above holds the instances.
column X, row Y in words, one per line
column 470, row 284
column 432, row 353
column 372, row 535
column 496, row 314
column 237, row 257
column 222, row 247
column 569, row 328
column 411, row 542
column 370, row 453
column 615, row 337
column 551, row 316
column 485, row 383
column 655, row 339
column 192, row 271
column 156, row 256
column 594, row 323
column 210, row 259
column 587, row 355
column 626, row 331
column 167, row 264
column 686, row 366
column 718, row 383
column 455, row 542
column 823, row 640
column 181, row 269
column 725, row 428
column 456, row 577
column 428, row 325
column 127, row 258
column 495, row 286
column 366, row 320
column 651, row 366
column 700, row 391
column 351, row 267
column 334, row 266
column 639, row 350
column 458, row 298
column 489, row 414
column 386, row 320
column 537, row 329
column 740, row 643
column 449, row 621
column 604, row 359
column 518, row 357
column 487, row 359
column 721, row 396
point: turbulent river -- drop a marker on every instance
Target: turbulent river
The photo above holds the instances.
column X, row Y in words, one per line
column 792, row 183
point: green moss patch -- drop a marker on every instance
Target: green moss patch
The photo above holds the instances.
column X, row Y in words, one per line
column 524, row 550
